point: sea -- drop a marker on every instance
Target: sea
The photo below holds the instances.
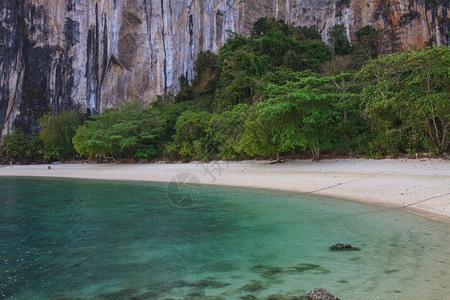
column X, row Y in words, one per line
column 93, row 239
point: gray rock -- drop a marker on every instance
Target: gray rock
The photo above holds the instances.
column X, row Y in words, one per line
column 343, row 247
column 321, row 294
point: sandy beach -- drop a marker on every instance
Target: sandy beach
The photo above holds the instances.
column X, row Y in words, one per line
column 419, row 185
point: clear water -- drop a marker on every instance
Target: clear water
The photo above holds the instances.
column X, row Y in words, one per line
column 119, row 240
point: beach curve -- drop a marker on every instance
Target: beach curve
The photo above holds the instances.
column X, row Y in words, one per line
column 419, row 185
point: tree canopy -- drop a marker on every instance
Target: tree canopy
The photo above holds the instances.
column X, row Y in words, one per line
column 124, row 131
column 407, row 95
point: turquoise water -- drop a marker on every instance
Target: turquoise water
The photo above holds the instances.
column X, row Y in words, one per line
column 117, row 240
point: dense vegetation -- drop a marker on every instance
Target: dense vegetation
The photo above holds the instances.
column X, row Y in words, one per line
column 280, row 92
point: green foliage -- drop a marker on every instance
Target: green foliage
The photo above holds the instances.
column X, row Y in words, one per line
column 298, row 55
column 169, row 98
column 280, row 76
column 274, row 46
column 21, row 146
column 367, row 46
column 341, row 5
column 225, row 131
column 206, row 68
column 190, row 140
column 260, row 28
column 259, row 138
column 234, row 89
column 339, row 40
column 306, row 113
column 125, row 131
column 185, row 90
column 407, row 100
column 57, row 133
column 310, row 33
column 366, row 31
column 233, row 43
column 263, row 25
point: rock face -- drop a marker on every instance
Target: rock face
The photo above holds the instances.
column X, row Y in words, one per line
column 91, row 54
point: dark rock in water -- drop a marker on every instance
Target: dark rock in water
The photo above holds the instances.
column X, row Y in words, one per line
column 221, row 267
column 201, row 284
column 283, row 297
column 275, row 297
column 197, row 294
column 122, row 294
column 66, row 297
column 321, row 294
column 305, row 267
column 267, row 271
column 209, row 283
column 249, row 297
column 344, row 247
column 272, row 271
column 253, row 287
column 258, row 268
column 150, row 295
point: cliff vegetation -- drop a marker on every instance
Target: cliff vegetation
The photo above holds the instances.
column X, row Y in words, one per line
column 282, row 91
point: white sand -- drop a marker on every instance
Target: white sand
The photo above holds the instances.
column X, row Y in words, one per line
column 420, row 185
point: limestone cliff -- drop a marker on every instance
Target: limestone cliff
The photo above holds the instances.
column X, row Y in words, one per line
column 90, row 54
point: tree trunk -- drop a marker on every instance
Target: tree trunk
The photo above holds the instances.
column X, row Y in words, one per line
column 278, row 160
column 315, row 153
column 445, row 142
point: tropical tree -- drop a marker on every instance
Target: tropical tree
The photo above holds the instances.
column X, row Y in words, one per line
column 206, row 70
column 338, row 38
column 126, row 131
column 225, row 131
column 190, row 139
column 57, row 133
column 259, row 136
column 21, row 145
column 305, row 113
column 407, row 97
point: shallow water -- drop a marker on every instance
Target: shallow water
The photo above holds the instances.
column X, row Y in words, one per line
column 121, row 239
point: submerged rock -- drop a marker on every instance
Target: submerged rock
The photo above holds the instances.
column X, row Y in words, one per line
column 305, row 267
column 253, row 287
column 321, row 294
column 221, row 267
column 122, row 294
column 208, row 283
column 343, row 247
column 67, row 297
column 283, row 297
column 249, row 297
column 198, row 294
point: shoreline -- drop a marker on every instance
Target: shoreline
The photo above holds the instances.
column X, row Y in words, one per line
column 420, row 186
